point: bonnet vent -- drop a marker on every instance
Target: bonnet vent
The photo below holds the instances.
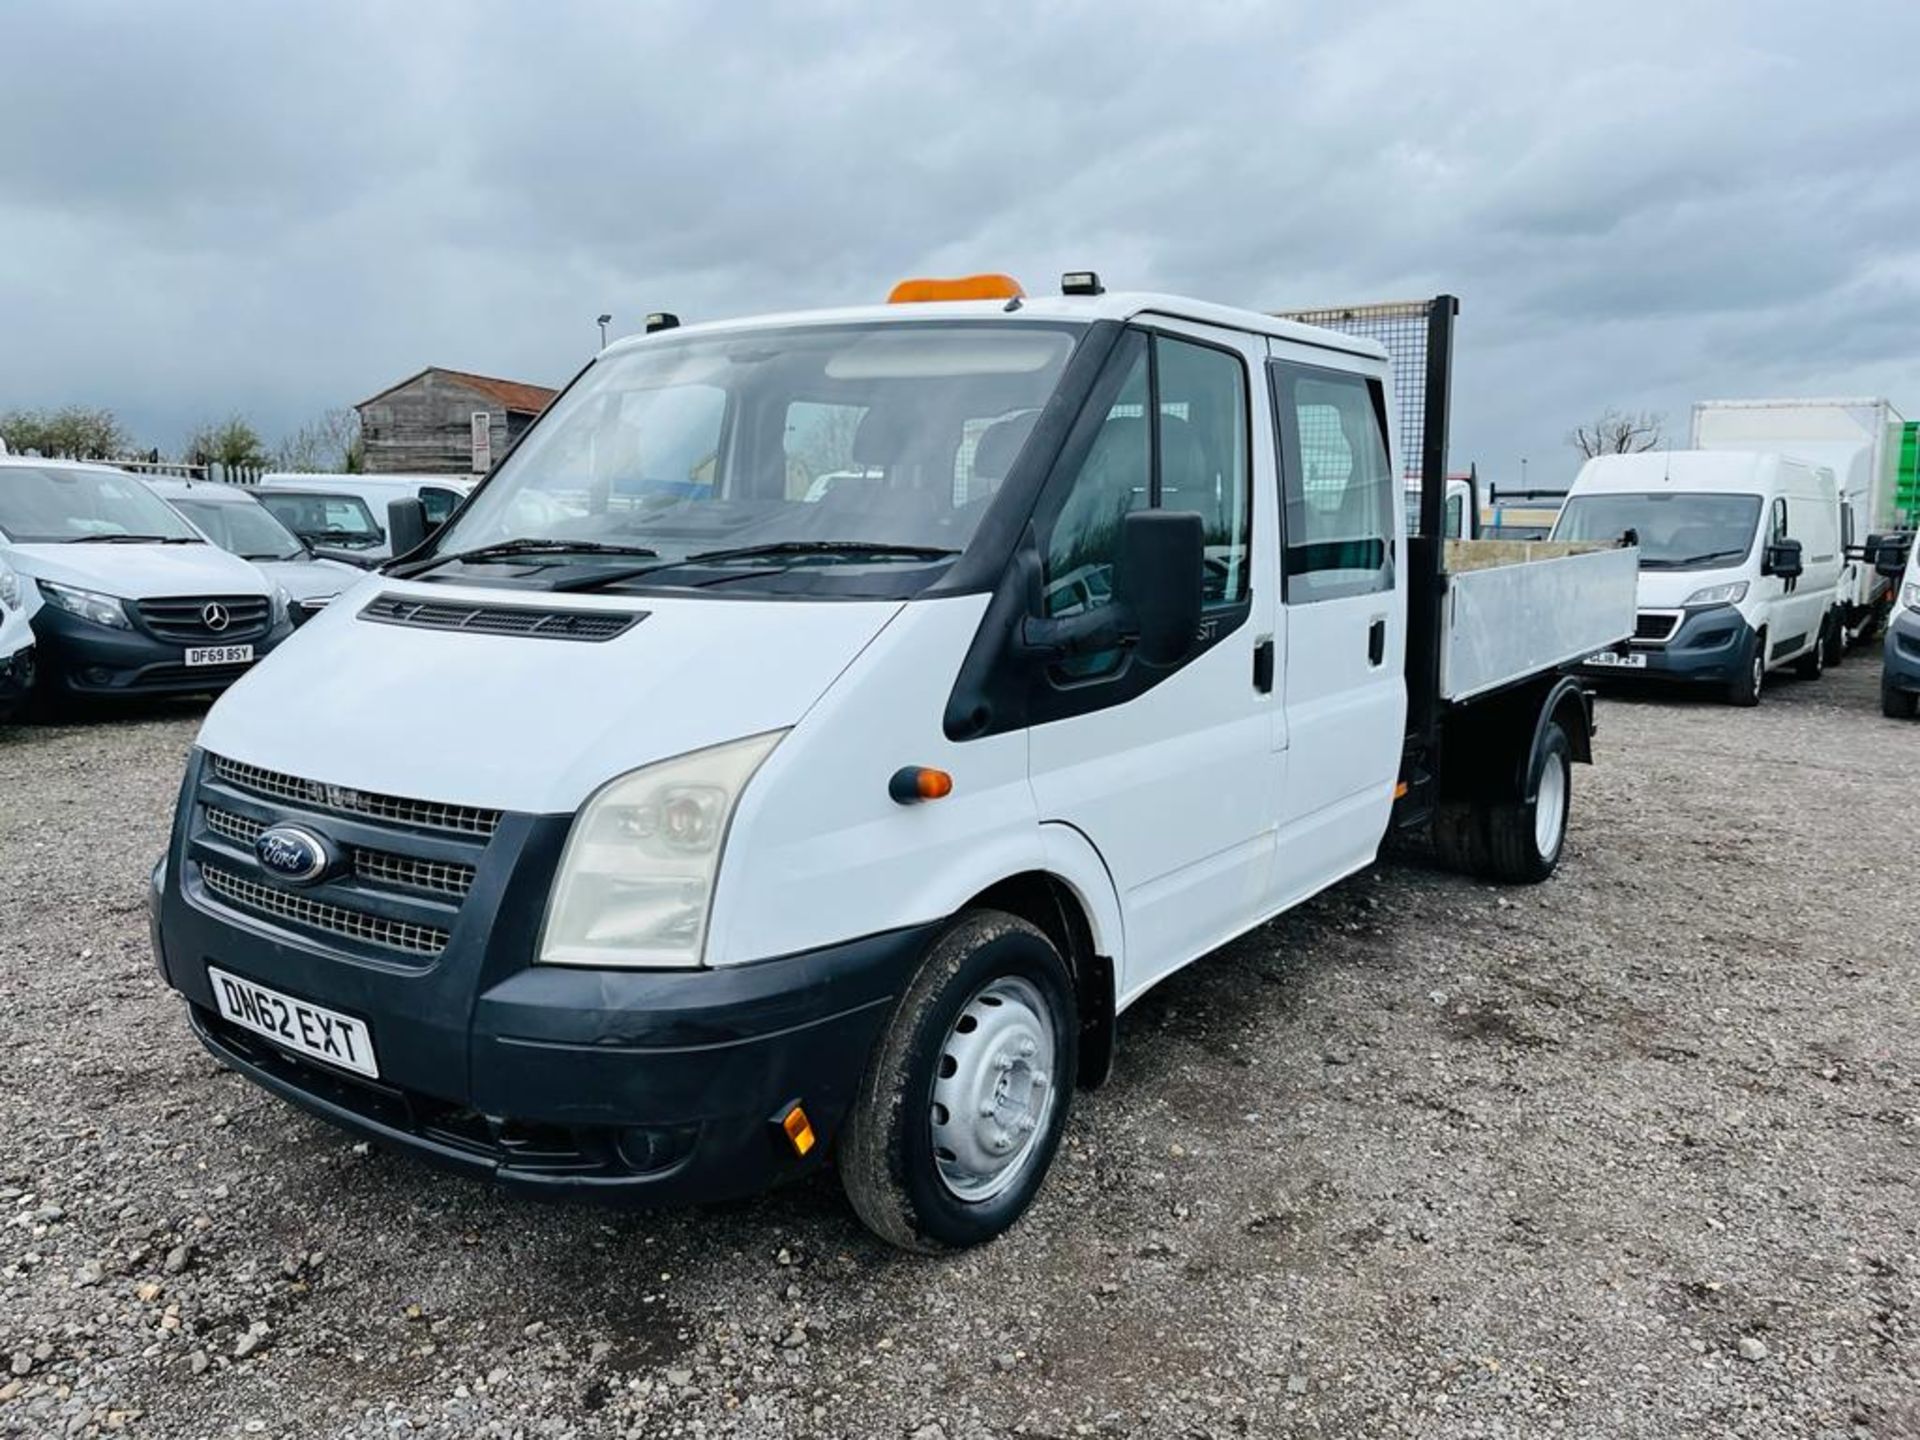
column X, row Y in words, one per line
column 538, row 622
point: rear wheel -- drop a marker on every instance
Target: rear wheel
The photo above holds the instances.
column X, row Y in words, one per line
column 1524, row 840
column 1745, row 691
column 1897, row 704
column 1836, row 639
column 967, row 1094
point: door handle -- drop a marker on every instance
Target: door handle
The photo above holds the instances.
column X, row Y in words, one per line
column 1377, row 640
column 1263, row 664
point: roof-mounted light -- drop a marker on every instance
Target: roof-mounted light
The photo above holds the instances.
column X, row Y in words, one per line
column 966, row 287
column 662, row 320
column 1081, row 282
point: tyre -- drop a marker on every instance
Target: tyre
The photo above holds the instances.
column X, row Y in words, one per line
column 967, row 1094
column 1460, row 837
column 1836, row 639
column 1745, row 691
column 1898, row 704
column 1813, row 664
column 1523, row 842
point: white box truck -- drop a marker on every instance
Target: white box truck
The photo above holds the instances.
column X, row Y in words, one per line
column 1859, row 441
column 662, row 849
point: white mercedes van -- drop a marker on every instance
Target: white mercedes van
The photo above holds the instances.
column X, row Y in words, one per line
column 136, row 601
column 1740, row 563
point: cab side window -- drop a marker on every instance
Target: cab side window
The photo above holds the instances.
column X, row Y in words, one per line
column 438, row 502
column 1338, row 483
column 1175, row 438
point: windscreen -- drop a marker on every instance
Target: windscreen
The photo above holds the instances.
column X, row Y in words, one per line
column 880, row 434
column 1677, row 531
column 342, row 520
column 56, row 504
column 246, row 529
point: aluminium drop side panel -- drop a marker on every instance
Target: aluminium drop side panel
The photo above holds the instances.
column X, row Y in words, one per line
column 1503, row 623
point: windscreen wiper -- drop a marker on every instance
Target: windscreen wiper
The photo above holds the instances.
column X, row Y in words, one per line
column 525, row 546
column 1682, row 564
column 126, row 540
column 777, row 549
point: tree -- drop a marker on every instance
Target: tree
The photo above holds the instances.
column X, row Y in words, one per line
column 1616, row 433
column 232, row 443
column 330, row 443
column 73, row 432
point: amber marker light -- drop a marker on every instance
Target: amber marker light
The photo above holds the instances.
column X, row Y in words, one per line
column 966, row 287
column 913, row 783
column 798, row 1129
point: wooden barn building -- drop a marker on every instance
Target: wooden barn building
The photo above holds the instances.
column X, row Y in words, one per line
column 425, row 425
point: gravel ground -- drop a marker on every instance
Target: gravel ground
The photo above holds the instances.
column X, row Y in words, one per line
column 1630, row 1154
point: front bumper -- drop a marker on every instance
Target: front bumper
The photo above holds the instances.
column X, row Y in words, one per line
column 90, row 661
column 1710, row 646
column 1902, row 662
column 647, row 1087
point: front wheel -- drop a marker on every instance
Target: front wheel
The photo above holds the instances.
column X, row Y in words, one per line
column 1897, row 704
column 967, row 1094
column 1836, row 639
column 1745, row 690
column 1813, row 664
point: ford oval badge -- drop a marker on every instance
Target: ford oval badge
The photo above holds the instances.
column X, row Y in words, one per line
column 290, row 853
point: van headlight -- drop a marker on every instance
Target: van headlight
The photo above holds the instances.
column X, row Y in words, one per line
column 87, row 604
column 1732, row 593
column 636, row 879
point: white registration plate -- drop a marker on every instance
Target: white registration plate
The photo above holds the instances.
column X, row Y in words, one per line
column 294, row 1024
column 1632, row 660
column 220, row 655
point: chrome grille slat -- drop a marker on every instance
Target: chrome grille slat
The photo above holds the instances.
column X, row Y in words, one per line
column 426, row 814
column 402, row 935
column 406, row 872
column 539, row 622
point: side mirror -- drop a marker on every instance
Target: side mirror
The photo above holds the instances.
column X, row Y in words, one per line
column 1782, row 558
column 1890, row 556
column 1158, row 586
column 406, row 526
column 1161, row 580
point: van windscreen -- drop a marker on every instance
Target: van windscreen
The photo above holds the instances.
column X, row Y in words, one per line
column 1677, row 530
column 841, row 439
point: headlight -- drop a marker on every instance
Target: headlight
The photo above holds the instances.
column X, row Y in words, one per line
column 1910, row 596
column 636, row 879
column 87, row 604
column 1732, row 593
column 11, row 595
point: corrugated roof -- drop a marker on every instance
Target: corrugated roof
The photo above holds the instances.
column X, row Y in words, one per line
column 512, row 394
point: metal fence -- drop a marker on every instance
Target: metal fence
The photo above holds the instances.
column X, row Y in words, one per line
column 1400, row 326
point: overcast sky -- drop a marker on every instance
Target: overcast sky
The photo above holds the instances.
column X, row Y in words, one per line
column 275, row 209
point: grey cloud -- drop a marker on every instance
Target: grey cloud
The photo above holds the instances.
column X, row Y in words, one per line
column 281, row 208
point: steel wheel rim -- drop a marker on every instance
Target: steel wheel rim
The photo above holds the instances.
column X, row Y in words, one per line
column 993, row 1089
column 1550, row 808
column 1759, row 670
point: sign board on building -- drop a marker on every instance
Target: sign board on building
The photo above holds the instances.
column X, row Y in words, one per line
column 482, row 442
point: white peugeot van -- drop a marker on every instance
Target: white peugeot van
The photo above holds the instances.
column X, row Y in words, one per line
column 136, row 601
column 1740, row 563
column 669, row 823
column 1900, row 671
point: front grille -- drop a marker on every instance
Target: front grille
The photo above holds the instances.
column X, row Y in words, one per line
column 402, row 935
column 186, row 619
column 539, row 622
column 381, row 867
column 427, row 814
column 1655, row 627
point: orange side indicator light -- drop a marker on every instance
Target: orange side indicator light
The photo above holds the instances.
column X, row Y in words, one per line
column 913, row 783
column 798, row 1129
column 966, row 287
column 1400, row 791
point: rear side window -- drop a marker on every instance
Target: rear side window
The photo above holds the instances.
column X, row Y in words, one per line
column 1338, row 483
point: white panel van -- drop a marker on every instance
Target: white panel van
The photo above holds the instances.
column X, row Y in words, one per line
column 1740, row 563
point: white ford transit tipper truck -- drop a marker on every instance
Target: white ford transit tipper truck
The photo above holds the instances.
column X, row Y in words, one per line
column 1739, row 563
column 668, row 822
column 1859, row 441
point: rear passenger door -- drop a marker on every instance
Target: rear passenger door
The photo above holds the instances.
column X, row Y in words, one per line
column 1345, row 619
